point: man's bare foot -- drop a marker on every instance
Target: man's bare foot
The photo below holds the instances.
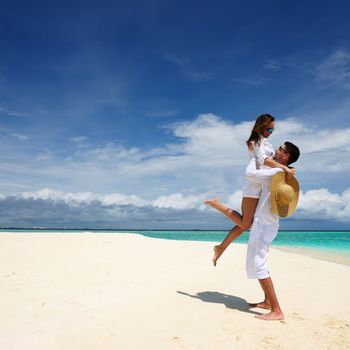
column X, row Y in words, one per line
column 262, row 305
column 271, row 316
column 217, row 253
column 212, row 202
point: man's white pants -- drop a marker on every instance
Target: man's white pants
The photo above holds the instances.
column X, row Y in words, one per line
column 260, row 237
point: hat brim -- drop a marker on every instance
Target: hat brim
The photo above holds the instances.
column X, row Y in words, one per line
column 284, row 210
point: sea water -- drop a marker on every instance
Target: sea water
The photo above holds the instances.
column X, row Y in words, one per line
column 332, row 241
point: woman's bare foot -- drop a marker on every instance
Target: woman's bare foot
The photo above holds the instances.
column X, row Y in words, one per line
column 212, row 202
column 271, row 316
column 217, row 253
column 263, row 305
column 230, row 213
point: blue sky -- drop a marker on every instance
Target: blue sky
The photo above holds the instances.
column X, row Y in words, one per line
column 128, row 114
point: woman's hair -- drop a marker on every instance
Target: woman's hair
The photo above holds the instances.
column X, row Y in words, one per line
column 258, row 128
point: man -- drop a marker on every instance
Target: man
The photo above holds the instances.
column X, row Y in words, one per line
column 265, row 225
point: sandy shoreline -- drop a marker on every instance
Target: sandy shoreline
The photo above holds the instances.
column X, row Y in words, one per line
column 339, row 257
column 107, row 291
column 331, row 256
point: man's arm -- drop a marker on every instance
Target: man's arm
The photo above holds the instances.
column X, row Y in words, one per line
column 261, row 176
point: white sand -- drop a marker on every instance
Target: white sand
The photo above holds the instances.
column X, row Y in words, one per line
column 125, row 291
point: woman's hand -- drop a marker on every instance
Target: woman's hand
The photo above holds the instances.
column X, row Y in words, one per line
column 289, row 173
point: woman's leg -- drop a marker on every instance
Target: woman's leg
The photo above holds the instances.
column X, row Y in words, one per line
column 243, row 223
column 231, row 214
column 248, row 210
column 231, row 236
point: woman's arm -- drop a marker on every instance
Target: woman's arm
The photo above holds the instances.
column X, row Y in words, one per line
column 273, row 164
column 259, row 152
column 261, row 176
column 263, row 159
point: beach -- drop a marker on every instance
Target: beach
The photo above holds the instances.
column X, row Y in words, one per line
column 112, row 291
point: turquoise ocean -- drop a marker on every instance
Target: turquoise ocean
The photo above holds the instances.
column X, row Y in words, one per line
column 333, row 242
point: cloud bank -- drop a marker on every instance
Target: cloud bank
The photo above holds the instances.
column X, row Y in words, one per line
column 168, row 183
column 49, row 208
column 206, row 154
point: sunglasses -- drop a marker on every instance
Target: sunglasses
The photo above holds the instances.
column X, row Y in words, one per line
column 282, row 149
column 270, row 130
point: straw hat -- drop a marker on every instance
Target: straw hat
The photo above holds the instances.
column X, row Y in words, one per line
column 284, row 195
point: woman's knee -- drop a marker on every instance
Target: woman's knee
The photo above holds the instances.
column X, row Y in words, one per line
column 246, row 224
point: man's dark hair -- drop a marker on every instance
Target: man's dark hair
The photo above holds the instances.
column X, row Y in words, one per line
column 293, row 152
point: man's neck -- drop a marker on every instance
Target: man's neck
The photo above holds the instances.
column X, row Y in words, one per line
column 281, row 162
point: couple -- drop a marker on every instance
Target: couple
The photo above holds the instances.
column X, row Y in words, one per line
column 270, row 191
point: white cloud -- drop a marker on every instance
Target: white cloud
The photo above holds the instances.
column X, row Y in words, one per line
column 178, row 201
column 118, row 199
column 212, row 139
column 54, row 196
column 107, row 153
column 176, row 59
column 20, row 136
column 318, row 203
column 234, row 200
column 208, row 155
column 335, row 69
column 173, row 201
column 198, row 76
column 186, row 68
column 273, row 65
column 9, row 111
column 74, row 198
column 44, row 156
column 323, row 151
column 8, row 133
column 322, row 204
column 19, row 114
column 79, row 139
column 253, row 81
column 52, row 208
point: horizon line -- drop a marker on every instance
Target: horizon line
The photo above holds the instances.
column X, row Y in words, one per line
column 135, row 229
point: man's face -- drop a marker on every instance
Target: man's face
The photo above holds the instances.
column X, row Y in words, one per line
column 281, row 154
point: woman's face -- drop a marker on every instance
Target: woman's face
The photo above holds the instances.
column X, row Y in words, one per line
column 268, row 129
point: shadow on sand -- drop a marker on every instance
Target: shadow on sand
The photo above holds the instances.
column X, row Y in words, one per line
column 230, row 301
